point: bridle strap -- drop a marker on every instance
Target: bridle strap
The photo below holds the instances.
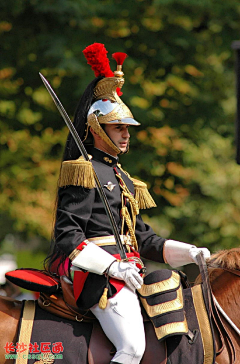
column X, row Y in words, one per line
column 236, row 272
column 233, row 271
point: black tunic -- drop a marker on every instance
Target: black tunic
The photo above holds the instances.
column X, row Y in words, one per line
column 81, row 214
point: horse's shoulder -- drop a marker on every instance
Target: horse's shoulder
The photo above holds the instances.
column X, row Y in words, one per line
column 11, row 307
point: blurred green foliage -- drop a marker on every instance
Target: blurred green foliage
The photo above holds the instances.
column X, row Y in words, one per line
column 180, row 84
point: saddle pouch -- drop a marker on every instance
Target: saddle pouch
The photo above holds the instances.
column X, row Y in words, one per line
column 34, row 280
column 56, row 305
column 162, row 298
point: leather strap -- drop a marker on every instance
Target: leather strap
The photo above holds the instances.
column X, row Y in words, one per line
column 207, row 293
column 205, row 281
column 222, row 329
column 233, row 271
column 215, row 315
column 236, row 272
column 57, row 306
column 26, row 329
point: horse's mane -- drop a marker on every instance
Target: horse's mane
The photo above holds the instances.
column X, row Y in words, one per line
column 226, row 259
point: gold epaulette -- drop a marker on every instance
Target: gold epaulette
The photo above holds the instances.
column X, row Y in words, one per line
column 77, row 173
column 142, row 195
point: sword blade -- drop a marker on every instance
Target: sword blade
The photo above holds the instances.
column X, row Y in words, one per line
column 83, row 151
column 66, row 118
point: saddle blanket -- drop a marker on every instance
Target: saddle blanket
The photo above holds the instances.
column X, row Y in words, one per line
column 54, row 340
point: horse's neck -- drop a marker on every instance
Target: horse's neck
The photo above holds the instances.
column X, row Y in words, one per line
column 226, row 287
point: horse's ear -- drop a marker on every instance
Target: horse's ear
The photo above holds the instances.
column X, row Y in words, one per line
column 34, row 280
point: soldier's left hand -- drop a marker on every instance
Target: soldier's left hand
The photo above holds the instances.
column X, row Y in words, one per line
column 193, row 252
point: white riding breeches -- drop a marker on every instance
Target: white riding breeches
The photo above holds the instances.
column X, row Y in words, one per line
column 122, row 323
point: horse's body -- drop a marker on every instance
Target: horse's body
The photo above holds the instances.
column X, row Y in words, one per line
column 225, row 286
column 224, row 275
column 10, row 311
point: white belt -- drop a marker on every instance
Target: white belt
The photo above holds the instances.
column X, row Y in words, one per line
column 110, row 240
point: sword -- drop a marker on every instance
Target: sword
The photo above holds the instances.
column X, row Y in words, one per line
column 83, row 151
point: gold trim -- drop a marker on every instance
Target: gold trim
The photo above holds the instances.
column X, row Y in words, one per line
column 94, row 123
column 164, row 255
column 107, row 160
column 106, row 89
column 121, row 111
column 26, row 329
column 108, row 237
column 142, row 195
column 163, row 286
column 107, row 243
column 204, row 324
column 172, row 328
column 110, row 240
column 74, row 254
column 77, row 173
column 102, row 241
column 161, row 308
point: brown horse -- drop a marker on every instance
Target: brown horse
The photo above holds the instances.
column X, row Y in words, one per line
column 224, row 272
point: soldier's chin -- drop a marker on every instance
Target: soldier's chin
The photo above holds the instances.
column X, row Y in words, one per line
column 125, row 149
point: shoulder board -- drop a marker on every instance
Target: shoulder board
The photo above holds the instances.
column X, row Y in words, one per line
column 77, row 173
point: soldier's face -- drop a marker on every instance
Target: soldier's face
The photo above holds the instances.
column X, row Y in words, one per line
column 119, row 134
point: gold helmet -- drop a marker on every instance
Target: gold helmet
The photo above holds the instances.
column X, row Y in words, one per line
column 107, row 108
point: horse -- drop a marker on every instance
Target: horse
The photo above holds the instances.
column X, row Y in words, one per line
column 224, row 274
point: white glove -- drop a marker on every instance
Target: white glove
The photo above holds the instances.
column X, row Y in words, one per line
column 193, row 252
column 178, row 254
column 126, row 272
column 93, row 259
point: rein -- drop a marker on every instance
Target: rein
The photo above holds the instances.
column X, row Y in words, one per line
column 226, row 316
column 233, row 271
column 219, row 309
column 236, row 272
column 231, row 323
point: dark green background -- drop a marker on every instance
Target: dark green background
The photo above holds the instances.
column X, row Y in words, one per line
column 179, row 83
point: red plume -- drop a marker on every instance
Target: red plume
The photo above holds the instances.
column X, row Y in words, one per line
column 96, row 55
column 119, row 57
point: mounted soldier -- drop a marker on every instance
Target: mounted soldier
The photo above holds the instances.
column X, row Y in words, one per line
column 83, row 238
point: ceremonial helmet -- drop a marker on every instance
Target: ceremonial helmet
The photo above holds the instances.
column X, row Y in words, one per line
column 107, row 107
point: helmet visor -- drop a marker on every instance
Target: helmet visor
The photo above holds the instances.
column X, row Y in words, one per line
column 109, row 112
column 127, row 121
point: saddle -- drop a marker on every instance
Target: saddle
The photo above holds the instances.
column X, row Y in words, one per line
column 100, row 350
column 63, row 304
column 58, row 299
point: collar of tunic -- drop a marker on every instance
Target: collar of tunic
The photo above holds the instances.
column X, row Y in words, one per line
column 103, row 157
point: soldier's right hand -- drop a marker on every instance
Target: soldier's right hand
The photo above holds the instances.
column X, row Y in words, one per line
column 126, row 272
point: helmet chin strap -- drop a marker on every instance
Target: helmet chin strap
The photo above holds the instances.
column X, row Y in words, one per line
column 93, row 122
column 127, row 149
column 112, row 142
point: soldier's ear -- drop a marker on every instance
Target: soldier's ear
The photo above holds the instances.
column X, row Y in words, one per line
column 94, row 134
